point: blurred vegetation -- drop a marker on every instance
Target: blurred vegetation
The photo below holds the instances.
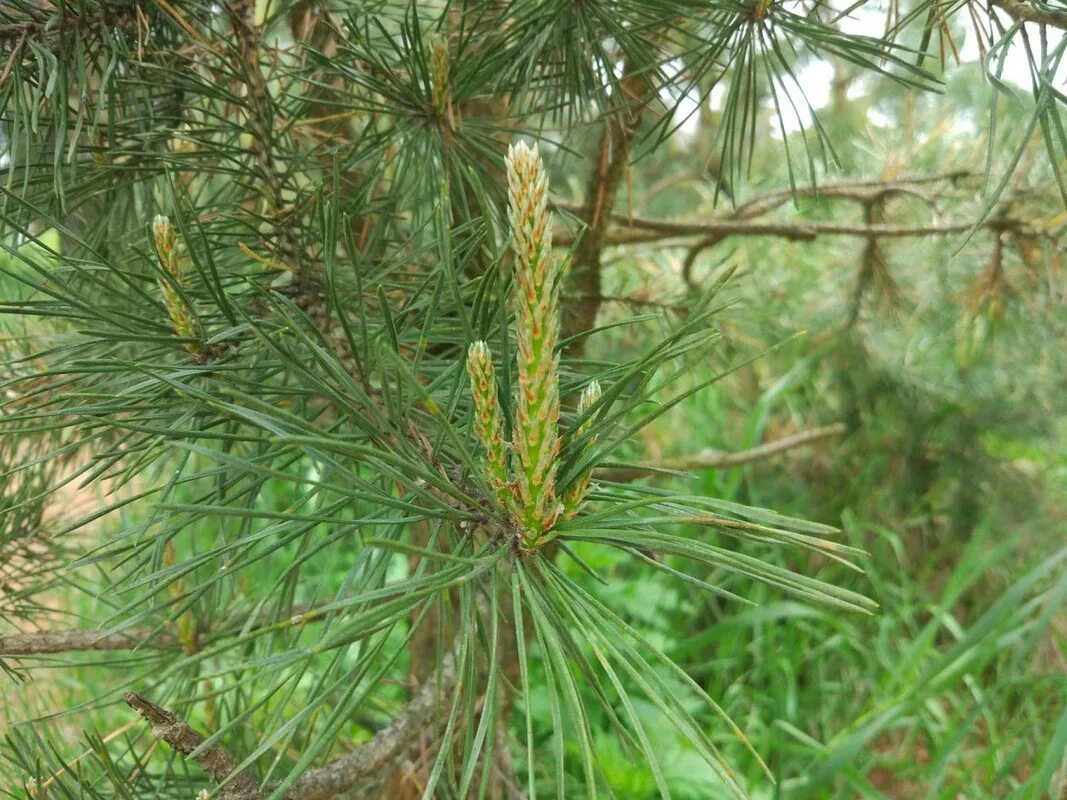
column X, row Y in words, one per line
column 951, row 475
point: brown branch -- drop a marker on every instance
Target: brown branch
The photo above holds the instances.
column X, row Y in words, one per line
column 365, row 762
column 874, row 266
column 717, row 459
column 10, row 64
column 613, row 156
column 31, row 644
column 743, row 221
column 648, row 230
column 694, row 252
column 41, row 21
column 46, row 642
column 859, row 191
column 176, row 732
column 643, row 302
column 1025, row 12
column 371, row 758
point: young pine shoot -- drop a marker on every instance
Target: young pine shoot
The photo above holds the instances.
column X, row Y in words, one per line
column 524, row 484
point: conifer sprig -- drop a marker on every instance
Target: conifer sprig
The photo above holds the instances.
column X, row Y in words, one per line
column 529, row 496
column 488, row 422
column 576, row 492
column 537, row 278
column 183, row 319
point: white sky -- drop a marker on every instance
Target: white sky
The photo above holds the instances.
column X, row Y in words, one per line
column 815, row 79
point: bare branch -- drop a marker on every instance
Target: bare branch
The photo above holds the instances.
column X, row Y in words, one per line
column 859, row 191
column 744, row 221
column 1027, row 12
column 642, row 302
column 649, row 230
column 46, row 642
column 31, row 644
column 717, row 459
column 367, row 761
column 693, row 253
column 176, row 732
column 371, row 758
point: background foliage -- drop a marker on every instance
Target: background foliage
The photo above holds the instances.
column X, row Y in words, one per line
column 272, row 520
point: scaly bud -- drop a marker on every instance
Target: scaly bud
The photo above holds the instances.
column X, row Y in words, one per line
column 186, row 624
column 487, row 420
column 182, row 318
column 440, row 96
column 576, row 492
column 166, row 245
column 537, row 277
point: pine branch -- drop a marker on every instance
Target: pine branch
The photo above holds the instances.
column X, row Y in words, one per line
column 176, row 732
column 43, row 21
column 388, row 745
column 648, row 230
column 717, row 459
column 261, row 120
column 644, row 302
column 858, row 191
column 45, row 642
column 48, row 642
column 874, row 268
column 44, row 26
column 742, row 221
column 1027, row 12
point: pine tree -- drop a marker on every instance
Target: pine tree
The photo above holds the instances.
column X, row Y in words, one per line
column 290, row 285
